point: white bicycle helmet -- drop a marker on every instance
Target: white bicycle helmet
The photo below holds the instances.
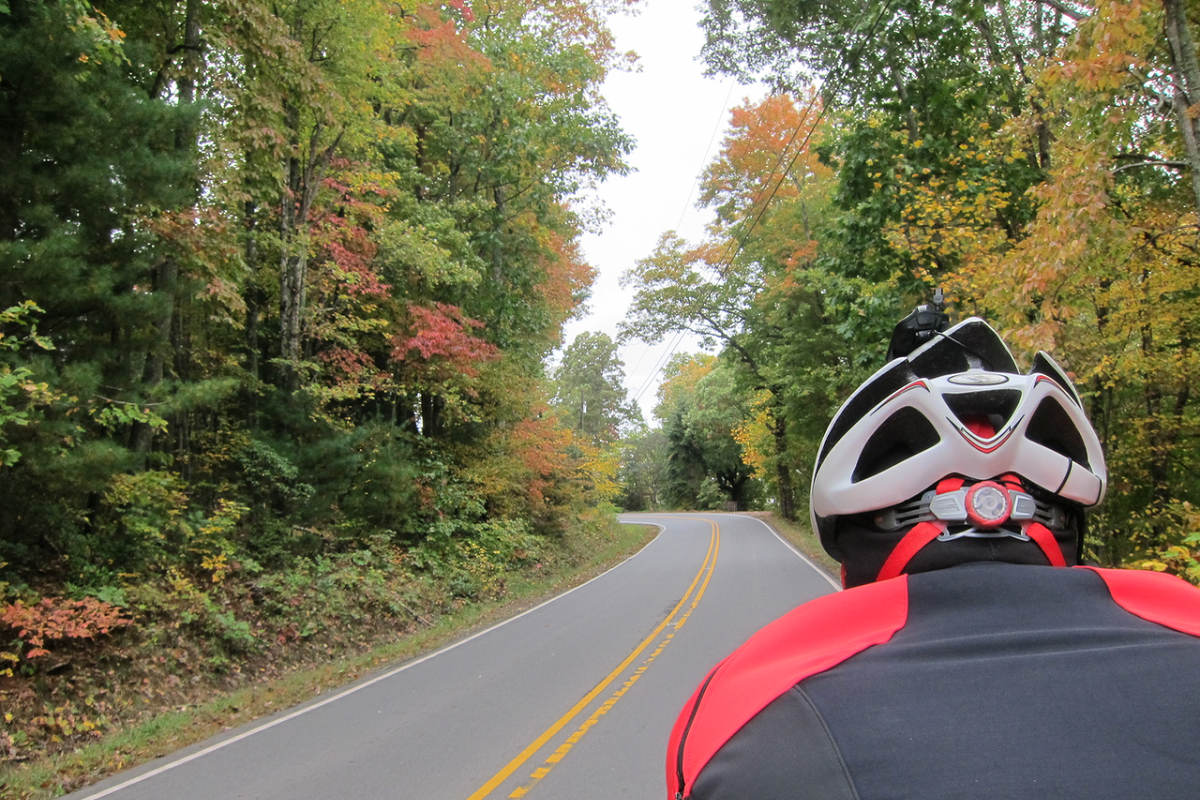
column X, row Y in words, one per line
column 957, row 407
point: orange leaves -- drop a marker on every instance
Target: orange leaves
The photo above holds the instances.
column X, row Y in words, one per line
column 567, row 275
column 765, row 154
column 540, row 446
column 1108, row 47
column 441, row 38
column 54, row 619
column 522, row 468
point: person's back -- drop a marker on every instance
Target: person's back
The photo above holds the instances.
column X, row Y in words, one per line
column 960, row 663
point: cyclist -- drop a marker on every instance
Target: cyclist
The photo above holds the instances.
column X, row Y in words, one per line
column 964, row 659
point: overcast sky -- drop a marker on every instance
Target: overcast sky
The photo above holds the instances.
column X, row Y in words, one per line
column 678, row 119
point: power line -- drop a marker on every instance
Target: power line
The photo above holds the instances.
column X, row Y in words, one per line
column 661, row 362
column 659, row 366
column 704, row 161
column 738, row 242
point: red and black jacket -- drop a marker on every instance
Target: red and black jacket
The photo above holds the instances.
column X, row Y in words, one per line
column 983, row 680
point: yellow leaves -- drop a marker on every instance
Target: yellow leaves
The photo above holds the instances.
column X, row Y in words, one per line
column 217, row 564
column 753, row 435
column 600, row 466
column 948, row 214
column 1110, row 47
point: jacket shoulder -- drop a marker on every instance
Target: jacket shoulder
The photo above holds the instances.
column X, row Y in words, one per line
column 1155, row 597
column 812, row 638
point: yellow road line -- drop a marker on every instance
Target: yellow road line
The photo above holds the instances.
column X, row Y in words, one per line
column 574, row 738
column 710, row 560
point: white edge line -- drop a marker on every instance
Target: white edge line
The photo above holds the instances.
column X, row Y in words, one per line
column 803, row 557
column 356, row 687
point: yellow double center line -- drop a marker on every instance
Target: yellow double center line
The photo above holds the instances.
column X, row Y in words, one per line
column 701, row 580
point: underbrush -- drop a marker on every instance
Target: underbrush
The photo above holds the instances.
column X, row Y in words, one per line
column 88, row 688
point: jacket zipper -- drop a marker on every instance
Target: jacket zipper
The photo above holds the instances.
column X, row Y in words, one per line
column 686, row 730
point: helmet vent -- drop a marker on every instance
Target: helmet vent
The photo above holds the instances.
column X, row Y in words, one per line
column 1044, row 365
column 1052, row 427
column 997, row 405
column 902, row 436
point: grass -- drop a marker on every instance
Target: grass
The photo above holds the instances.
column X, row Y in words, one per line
column 140, row 741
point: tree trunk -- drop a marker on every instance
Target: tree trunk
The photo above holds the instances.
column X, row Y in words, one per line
column 252, row 298
column 292, row 256
column 1186, row 77
column 302, row 174
column 166, row 274
column 783, row 471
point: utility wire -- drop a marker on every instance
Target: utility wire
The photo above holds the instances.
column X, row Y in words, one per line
column 660, row 364
column 737, row 243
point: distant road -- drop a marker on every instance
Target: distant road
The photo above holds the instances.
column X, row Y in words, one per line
column 572, row 700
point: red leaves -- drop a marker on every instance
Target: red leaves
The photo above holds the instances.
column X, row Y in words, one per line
column 347, row 244
column 463, row 9
column 346, row 364
column 441, row 338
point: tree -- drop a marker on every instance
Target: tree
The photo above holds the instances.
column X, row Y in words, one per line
column 1103, row 276
column 589, row 389
column 311, row 246
column 771, row 197
column 1037, row 160
column 644, row 458
column 699, row 410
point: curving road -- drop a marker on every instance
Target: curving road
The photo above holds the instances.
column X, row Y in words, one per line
column 572, row 699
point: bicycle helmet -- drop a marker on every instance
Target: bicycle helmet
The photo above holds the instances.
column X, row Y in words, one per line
column 954, row 440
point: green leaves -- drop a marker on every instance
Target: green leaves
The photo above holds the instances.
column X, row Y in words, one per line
column 589, row 390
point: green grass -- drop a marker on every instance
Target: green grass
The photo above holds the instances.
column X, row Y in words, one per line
column 143, row 740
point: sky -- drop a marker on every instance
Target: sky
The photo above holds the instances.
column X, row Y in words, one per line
column 678, row 118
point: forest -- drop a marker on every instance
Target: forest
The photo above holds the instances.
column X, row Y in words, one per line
column 283, row 286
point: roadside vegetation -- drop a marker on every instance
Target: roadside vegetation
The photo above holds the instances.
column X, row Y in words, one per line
column 110, row 701
column 279, row 287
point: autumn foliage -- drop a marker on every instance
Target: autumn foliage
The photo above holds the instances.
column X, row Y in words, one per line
column 54, row 619
column 1037, row 161
column 278, row 287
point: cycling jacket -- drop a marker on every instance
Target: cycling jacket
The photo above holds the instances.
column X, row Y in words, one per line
column 983, row 680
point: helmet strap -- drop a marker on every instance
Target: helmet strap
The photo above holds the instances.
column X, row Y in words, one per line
column 923, row 533
column 1045, row 540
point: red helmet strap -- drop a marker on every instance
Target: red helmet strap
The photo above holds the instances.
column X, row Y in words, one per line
column 923, row 533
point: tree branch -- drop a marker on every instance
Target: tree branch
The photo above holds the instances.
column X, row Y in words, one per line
column 1075, row 16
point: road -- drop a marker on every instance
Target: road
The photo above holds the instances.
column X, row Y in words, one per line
column 572, row 699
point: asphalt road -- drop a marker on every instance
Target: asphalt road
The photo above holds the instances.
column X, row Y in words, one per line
column 572, row 699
